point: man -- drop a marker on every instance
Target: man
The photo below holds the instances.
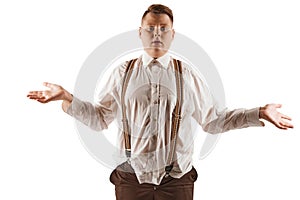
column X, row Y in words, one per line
column 155, row 98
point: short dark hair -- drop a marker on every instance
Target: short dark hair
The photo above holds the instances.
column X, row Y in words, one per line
column 159, row 9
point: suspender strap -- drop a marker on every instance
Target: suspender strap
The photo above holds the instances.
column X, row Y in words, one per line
column 126, row 131
column 176, row 115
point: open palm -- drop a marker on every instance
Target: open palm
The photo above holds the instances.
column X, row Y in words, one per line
column 55, row 92
column 269, row 112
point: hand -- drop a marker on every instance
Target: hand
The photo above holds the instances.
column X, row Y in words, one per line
column 55, row 92
column 269, row 112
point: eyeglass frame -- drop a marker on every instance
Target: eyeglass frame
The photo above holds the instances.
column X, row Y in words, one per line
column 155, row 30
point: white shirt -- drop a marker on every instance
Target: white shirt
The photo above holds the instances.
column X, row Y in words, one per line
column 150, row 99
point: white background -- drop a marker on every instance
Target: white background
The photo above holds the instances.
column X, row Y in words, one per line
column 254, row 44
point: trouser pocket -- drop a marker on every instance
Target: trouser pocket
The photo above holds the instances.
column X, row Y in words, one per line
column 123, row 173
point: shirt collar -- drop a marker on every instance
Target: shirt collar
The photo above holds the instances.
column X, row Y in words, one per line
column 163, row 60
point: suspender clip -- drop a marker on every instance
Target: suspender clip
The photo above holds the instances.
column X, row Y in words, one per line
column 128, row 155
column 168, row 169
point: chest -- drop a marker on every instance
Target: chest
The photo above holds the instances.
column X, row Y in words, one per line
column 155, row 86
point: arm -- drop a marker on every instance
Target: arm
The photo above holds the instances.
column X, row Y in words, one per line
column 217, row 120
column 96, row 117
column 243, row 118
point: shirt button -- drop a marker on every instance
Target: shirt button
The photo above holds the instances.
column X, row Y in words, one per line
column 155, row 101
column 154, row 188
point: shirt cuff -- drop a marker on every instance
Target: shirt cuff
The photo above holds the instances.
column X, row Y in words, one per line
column 252, row 117
column 74, row 106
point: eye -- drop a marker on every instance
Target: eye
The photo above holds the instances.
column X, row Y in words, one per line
column 151, row 28
column 163, row 29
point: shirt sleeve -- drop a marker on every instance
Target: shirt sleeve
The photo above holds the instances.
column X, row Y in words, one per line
column 212, row 117
column 99, row 115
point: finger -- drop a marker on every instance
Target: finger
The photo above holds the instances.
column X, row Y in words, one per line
column 36, row 97
column 262, row 123
column 32, row 92
column 280, row 126
column 286, row 124
column 50, row 85
column 36, row 93
column 42, row 100
column 278, row 105
column 285, row 117
column 31, row 96
column 47, row 84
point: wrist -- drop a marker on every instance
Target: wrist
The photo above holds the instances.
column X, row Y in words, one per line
column 262, row 111
column 68, row 96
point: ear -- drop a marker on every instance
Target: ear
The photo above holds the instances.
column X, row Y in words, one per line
column 173, row 33
column 140, row 32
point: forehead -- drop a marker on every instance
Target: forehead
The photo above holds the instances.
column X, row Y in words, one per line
column 157, row 19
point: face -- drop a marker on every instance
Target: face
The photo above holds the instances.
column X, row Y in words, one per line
column 156, row 34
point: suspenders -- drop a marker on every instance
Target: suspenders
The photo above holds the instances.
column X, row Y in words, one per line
column 176, row 115
column 126, row 133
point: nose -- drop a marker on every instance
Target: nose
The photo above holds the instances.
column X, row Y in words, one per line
column 156, row 34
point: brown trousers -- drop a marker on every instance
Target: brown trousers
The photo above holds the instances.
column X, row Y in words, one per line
column 127, row 186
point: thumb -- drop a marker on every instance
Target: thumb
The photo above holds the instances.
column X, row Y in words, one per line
column 49, row 85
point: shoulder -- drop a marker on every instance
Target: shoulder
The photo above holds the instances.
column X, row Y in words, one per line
column 188, row 68
column 120, row 69
column 191, row 73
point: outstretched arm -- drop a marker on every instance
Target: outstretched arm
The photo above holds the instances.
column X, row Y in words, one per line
column 269, row 112
column 54, row 93
column 97, row 117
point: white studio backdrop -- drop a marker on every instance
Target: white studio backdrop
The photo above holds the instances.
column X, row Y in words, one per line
column 254, row 44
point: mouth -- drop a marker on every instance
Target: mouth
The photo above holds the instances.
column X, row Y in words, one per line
column 157, row 43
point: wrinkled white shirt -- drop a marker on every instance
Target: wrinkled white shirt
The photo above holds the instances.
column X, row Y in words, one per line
column 150, row 99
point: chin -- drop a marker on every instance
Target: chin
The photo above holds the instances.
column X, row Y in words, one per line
column 156, row 52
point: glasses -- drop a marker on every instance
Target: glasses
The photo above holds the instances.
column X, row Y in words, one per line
column 152, row 29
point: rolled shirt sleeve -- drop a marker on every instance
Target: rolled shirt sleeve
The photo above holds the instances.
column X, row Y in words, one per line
column 214, row 119
column 94, row 116
column 99, row 115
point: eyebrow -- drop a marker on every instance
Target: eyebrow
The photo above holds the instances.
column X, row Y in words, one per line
column 150, row 24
